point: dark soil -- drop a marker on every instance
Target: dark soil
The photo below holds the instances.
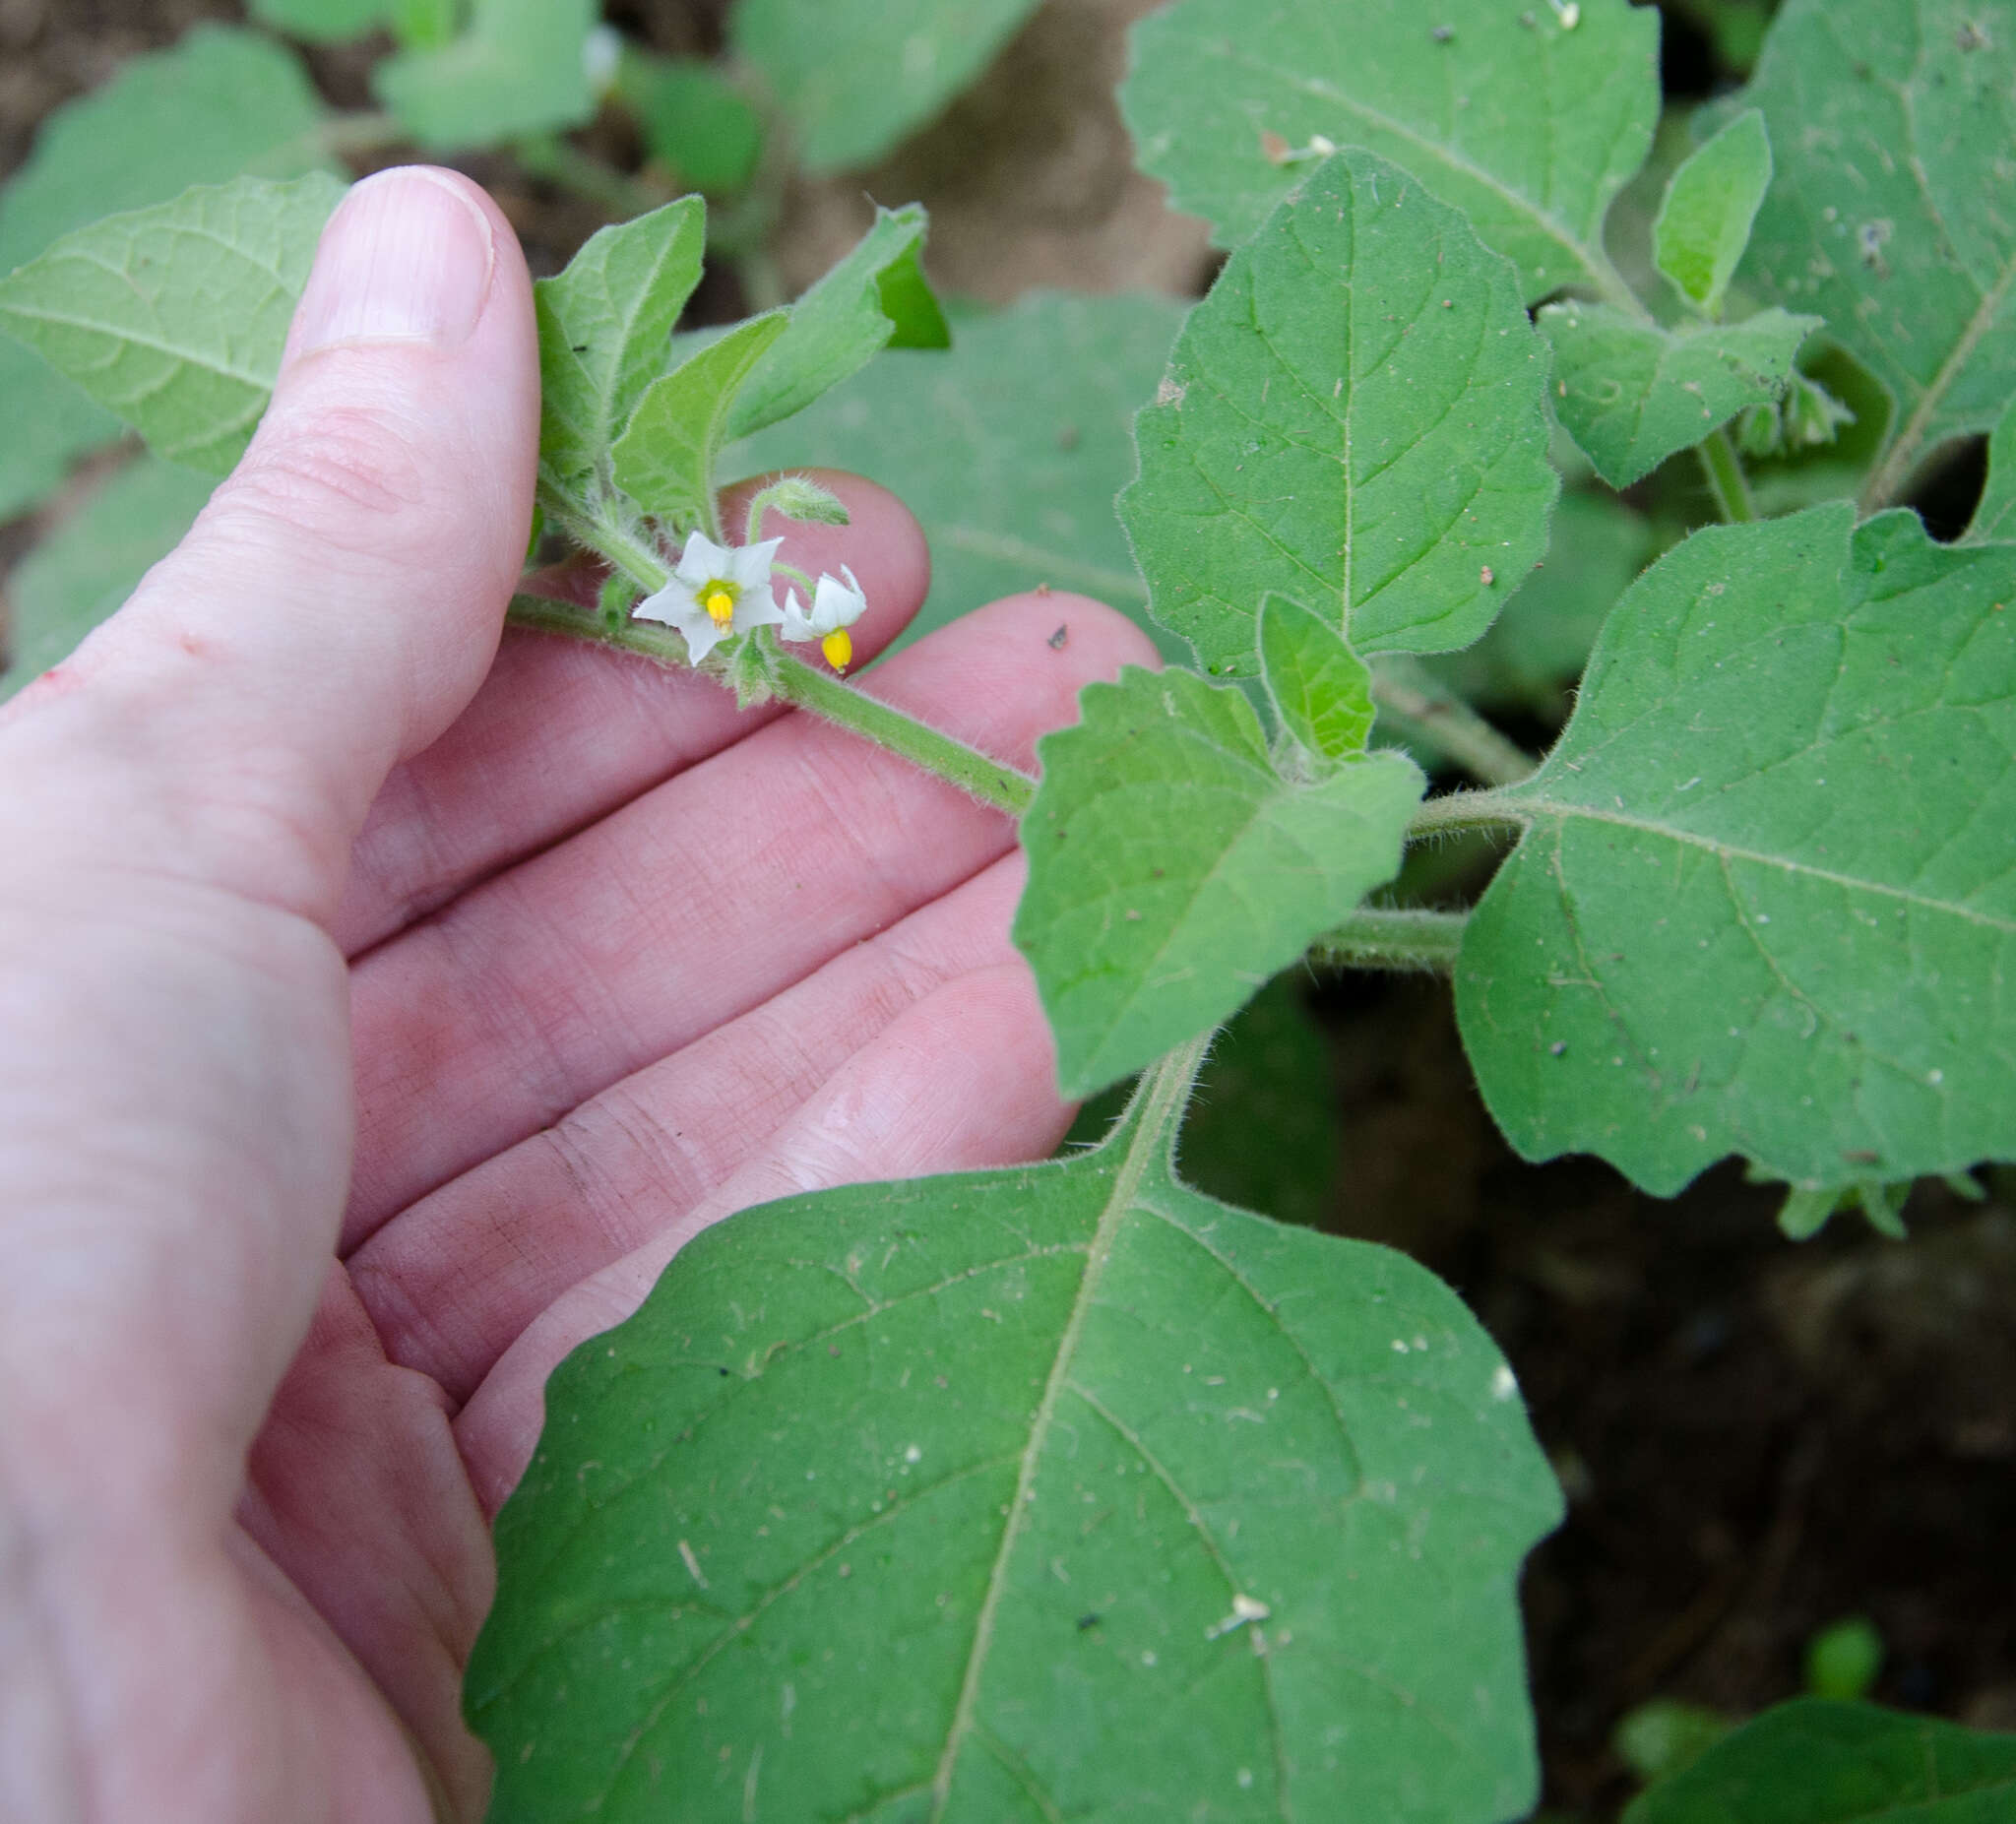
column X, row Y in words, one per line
column 1756, row 1438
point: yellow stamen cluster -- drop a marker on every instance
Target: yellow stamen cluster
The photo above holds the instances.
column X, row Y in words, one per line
column 719, row 602
column 839, row 647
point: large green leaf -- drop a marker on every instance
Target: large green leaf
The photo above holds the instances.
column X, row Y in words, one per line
column 1766, row 904
column 1009, row 449
column 1890, row 122
column 50, row 424
column 1632, row 394
column 853, row 76
column 324, row 22
column 1815, row 1762
column 76, row 577
column 1527, row 123
column 694, row 119
column 1172, row 871
column 665, row 460
column 1054, row 1493
column 220, row 102
column 874, row 298
column 518, row 67
column 1704, row 220
column 1354, row 418
column 175, row 316
column 1995, row 515
column 606, row 327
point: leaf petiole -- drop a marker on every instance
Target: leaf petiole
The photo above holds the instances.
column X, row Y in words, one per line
column 1393, row 938
column 1726, row 480
column 1411, row 698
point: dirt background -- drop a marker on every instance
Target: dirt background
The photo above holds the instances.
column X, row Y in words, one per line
column 1756, row 1439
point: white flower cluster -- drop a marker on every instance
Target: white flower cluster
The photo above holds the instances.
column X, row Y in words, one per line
column 717, row 591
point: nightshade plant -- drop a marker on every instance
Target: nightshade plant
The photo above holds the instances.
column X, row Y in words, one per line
column 1070, row 1492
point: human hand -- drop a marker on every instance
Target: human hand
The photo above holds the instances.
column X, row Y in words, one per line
column 616, row 958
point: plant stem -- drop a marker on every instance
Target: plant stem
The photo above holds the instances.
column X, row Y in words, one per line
column 543, row 615
column 624, row 551
column 1724, row 472
column 806, row 688
column 558, row 161
column 346, row 136
column 1465, row 810
column 1413, row 696
column 1376, row 937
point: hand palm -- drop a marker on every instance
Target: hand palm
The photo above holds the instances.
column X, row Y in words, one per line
column 622, row 962
column 625, row 962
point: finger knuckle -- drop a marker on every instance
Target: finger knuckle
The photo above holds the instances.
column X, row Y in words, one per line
column 349, row 475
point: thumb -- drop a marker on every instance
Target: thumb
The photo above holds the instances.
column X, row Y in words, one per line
column 340, row 598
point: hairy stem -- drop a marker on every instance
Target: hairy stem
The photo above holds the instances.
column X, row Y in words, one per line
column 808, row 688
column 1465, row 810
column 600, row 534
column 1726, row 482
column 1413, row 699
column 1375, row 937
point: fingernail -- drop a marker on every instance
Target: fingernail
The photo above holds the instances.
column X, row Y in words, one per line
column 406, row 257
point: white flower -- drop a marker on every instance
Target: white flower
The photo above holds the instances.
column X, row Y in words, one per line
column 836, row 607
column 716, row 591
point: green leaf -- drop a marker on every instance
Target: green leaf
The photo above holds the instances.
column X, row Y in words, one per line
column 324, row 22
column 87, row 568
column 606, row 327
column 843, row 322
column 1816, row 1762
column 1543, row 639
column 853, row 79
column 50, row 423
column 1320, row 688
column 694, row 121
column 1767, row 897
column 1887, row 215
column 1704, row 224
column 665, row 460
column 1009, row 449
column 175, row 316
column 219, row 102
column 1525, row 125
column 1171, row 871
column 1054, row 1493
column 1657, row 1740
column 1632, row 394
column 413, row 23
column 1995, row 515
column 1353, row 418
column 518, row 67
column 1843, row 1660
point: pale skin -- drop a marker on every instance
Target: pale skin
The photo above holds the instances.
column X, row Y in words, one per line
column 376, row 1020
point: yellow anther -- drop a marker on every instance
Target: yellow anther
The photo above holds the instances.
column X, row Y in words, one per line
column 839, row 647
column 719, row 605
